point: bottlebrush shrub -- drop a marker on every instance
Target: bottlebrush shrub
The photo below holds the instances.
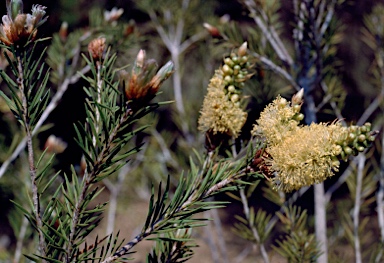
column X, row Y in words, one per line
column 60, row 207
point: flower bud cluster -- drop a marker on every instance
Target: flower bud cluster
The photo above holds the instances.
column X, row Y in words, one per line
column 235, row 72
column 143, row 82
column 356, row 139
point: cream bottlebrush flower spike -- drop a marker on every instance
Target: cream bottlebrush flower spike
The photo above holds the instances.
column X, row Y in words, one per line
column 19, row 28
column 297, row 155
column 221, row 112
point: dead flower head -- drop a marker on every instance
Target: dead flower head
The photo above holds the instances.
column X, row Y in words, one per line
column 19, row 28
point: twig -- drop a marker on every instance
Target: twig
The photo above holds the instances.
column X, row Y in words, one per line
column 31, row 157
column 320, row 221
column 277, row 69
column 209, row 237
column 270, row 34
column 380, row 193
column 20, row 239
column 219, row 231
column 252, row 227
column 356, row 209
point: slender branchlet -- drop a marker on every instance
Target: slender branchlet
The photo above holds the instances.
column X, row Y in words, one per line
column 31, row 157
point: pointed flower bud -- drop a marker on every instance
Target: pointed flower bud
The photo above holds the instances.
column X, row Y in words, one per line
column 297, row 99
column 213, row 31
column 97, row 47
column 63, row 32
column 243, row 49
column 140, row 59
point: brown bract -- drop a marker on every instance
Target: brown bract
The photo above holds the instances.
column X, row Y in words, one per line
column 97, row 47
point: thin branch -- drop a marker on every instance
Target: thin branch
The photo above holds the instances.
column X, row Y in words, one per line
column 192, row 40
column 31, row 157
column 320, row 221
column 160, row 30
column 219, row 231
column 20, row 240
column 270, row 34
column 356, row 209
column 209, row 238
column 256, row 235
column 277, row 69
column 380, row 194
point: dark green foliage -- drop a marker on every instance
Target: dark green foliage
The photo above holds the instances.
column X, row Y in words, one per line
column 297, row 245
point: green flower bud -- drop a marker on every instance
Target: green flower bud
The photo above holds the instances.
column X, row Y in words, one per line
column 235, row 98
column 335, row 163
column 363, row 129
column 229, row 62
column 371, row 138
column 348, row 150
column 243, row 60
column 228, row 79
column 353, row 128
column 231, row 88
column 299, row 117
column 240, row 77
column 235, row 60
column 227, row 70
column 351, row 136
column 236, row 69
column 360, row 148
column 296, row 108
column 361, row 138
column 338, row 149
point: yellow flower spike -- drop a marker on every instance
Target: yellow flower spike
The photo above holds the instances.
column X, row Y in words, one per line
column 220, row 114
